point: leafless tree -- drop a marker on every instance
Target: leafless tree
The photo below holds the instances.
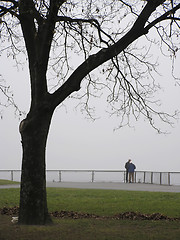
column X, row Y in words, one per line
column 7, row 99
column 65, row 42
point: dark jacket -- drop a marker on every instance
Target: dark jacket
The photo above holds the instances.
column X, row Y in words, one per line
column 127, row 166
column 131, row 167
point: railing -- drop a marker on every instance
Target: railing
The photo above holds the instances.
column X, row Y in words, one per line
column 162, row 178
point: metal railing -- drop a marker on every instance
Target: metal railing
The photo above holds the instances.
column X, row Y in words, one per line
column 162, row 178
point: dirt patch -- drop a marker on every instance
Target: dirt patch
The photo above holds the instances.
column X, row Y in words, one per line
column 76, row 215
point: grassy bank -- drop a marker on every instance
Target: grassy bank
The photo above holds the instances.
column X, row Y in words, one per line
column 99, row 202
column 102, row 202
column 109, row 202
column 7, row 182
column 89, row 229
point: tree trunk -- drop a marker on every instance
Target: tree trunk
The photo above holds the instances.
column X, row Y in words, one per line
column 33, row 202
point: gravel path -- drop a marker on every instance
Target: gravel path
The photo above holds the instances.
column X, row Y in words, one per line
column 109, row 185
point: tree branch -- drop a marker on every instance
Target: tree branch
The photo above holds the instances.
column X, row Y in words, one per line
column 12, row 9
column 163, row 17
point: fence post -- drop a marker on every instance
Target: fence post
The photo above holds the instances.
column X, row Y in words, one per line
column 169, row 180
column 59, row 176
column 160, row 178
column 92, row 180
column 144, row 177
column 11, row 175
column 152, row 177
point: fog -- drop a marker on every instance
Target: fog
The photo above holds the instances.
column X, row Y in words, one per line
column 75, row 142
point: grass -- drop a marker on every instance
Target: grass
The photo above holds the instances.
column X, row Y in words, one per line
column 7, row 182
column 100, row 202
column 110, row 202
column 88, row 229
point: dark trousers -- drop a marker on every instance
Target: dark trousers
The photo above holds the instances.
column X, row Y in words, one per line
column 131, row 177
column 126, row 175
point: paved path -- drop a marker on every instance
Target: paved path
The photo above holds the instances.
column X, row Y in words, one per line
column 116, row 186
column 107, row 185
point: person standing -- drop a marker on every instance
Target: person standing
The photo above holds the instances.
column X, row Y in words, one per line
column 131, row 168
column 127, row 167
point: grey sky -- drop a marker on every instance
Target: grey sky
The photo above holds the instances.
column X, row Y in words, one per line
column 77, row 143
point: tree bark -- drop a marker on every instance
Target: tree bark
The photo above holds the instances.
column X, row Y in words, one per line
column 33, row 202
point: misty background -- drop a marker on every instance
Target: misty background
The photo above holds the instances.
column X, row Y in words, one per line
column 76, row 142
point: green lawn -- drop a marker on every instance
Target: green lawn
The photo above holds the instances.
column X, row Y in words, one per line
column 7, row 182
column 99, row 202
column 102, row 202
column 91, row 229
column 110, row 202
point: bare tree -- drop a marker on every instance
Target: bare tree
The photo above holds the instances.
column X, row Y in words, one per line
column 113, row 36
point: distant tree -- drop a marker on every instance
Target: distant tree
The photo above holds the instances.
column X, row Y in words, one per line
column 65, row 41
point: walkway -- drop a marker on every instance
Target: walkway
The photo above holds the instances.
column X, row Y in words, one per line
column 109, row 185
